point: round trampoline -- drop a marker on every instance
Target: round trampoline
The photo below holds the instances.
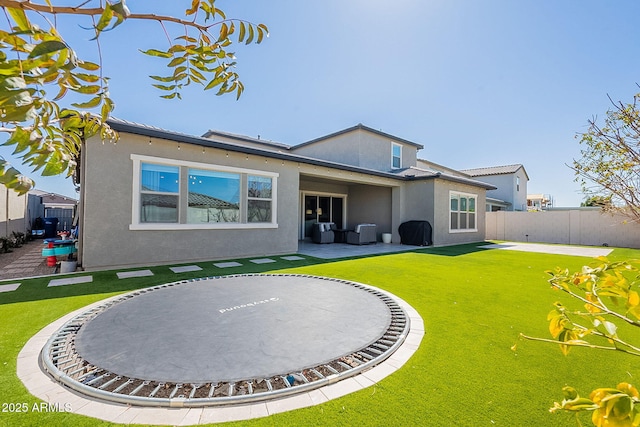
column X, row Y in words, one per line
column 223, row 340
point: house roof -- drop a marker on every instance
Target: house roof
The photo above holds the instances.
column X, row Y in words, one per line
column 359, row 126
column 49, row 198
column 495, row 170
column 495, row 201
column 413, row 172
column 177, row 137
column 212, row 133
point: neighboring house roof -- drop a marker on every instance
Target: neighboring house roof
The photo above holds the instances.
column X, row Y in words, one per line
column 495, row 170
column 53, row 199
column 495, row 201
column 155, row 132
column 202, row 200
column 359, row 126
column 195, row 200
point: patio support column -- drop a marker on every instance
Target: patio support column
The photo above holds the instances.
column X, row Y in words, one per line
column 397, row 212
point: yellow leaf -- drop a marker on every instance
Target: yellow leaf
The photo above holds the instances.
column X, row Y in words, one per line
column 634, row 299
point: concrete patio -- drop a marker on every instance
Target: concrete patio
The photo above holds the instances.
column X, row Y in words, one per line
column 343, row 250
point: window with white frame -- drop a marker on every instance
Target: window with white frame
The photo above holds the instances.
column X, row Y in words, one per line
column 159, row 193
column 213, row 196
column 462, row 210
column 259, row 198
column 172, row 194
column 396, row 156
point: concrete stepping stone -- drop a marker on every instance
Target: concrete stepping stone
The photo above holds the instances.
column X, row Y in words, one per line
column 227, row 264
column 70, row 281
column 137, row 273
column 10, row 287
column 262, row 260
column 185, row 269
column 292, row 258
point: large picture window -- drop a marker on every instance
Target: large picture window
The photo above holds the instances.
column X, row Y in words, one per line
column 213, row 197
column 172, row 194
column 462, row 211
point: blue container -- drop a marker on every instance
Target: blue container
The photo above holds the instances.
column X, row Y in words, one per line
column 50, row 227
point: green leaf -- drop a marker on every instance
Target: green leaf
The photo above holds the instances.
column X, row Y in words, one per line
column 21, row 139
column 107, row 108
column 89, row 66
column 176, row 61
column 20, row 18
column 243, row 31
column 55, row 165
column 47, row 47
column 94, row 102
column 214, row 82
column 90, row 78
column 251, row 34
column 88, row 90
column 194, row 7
column 105, row 18
column 163, row 87
column 224, row 32
column 163, row 79
column 158, row 53
column 19, row 114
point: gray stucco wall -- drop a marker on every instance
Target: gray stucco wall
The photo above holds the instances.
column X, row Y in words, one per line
column 370, row 205
column 442, row 235
column 507, row 189
column 107, row 194
column 359, row 148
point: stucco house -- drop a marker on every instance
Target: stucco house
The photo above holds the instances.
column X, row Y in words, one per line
column 158, row 196
column 510, row 181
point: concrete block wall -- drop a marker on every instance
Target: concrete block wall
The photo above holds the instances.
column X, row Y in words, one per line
column 575, row 227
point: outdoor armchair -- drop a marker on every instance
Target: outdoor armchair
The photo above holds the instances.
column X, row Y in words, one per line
column 363, row 235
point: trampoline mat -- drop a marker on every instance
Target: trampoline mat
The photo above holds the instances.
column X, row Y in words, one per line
column 230, row 328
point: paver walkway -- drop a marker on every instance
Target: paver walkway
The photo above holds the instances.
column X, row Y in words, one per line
column 26, row 261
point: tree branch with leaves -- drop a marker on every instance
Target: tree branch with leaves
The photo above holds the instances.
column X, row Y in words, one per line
column 609, row 167
column 35, row 60
column 609, row 292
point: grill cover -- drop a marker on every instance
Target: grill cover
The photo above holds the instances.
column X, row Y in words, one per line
column 417, row 233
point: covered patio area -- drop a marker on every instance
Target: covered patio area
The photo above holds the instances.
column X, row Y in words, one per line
column 343, row 250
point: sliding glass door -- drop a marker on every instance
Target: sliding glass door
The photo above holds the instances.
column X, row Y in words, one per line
column 318, row 208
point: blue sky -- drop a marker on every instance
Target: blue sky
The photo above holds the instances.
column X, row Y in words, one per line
column 478, row 83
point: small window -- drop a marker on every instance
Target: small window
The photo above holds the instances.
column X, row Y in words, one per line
column 259, row 199
column 396, row 156
column 159, row 193
column 517, row 183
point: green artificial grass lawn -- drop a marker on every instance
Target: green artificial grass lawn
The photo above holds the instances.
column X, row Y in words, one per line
column 474, row 303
